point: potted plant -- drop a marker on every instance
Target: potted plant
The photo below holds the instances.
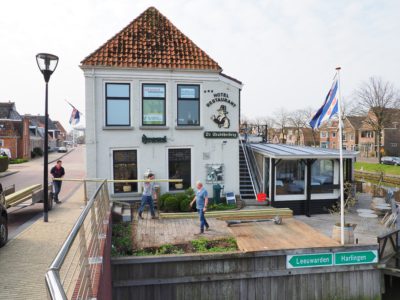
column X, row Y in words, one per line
column 4, row 161
column 349, row 201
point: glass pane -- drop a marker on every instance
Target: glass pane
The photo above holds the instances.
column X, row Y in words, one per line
column 153, row 112
column 188, row 112
column 118, row 112
column 188, row 91
column 153, row 91
column 322, row 176
column 179, row 166
column 290, row 177
column 125, row 167
column 117, row 90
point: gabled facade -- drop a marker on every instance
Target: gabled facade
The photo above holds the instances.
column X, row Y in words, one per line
column 14, row 131
column 156, row 101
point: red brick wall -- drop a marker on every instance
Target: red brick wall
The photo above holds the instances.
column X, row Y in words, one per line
column 12, row 144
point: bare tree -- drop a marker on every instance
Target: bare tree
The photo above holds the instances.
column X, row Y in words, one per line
column 377, row 99
column 282, row 121
column 309, row 114
column 298, row 119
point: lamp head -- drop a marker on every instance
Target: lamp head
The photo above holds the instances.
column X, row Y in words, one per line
column 47, row 64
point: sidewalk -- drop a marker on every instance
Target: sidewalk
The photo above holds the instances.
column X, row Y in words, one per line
column 26, row 258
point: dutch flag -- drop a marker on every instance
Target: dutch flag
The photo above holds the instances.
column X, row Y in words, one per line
column 329, row 108
column 75, row 116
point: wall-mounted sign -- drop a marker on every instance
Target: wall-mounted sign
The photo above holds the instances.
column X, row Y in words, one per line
column 153, row 91
column 220, row 97
column 147, row 140
column 221, row 119
column 220, row 134
column 215, row 173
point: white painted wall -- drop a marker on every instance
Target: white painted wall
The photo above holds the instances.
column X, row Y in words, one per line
column 102, row 140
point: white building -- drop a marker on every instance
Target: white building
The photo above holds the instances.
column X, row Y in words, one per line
column 154, row 100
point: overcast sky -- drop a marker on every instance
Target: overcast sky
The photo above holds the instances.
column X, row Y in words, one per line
column 285, row 52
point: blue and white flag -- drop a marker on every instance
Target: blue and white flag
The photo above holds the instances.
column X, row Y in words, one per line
column 75, row 115
column 329, row 108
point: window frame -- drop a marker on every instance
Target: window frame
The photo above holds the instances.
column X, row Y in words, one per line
column 178, row 99
column 154, row 98
column 117, row 98
column 122, row 194
column 168, row 168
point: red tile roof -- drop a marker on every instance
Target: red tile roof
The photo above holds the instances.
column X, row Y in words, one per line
column 151, row 41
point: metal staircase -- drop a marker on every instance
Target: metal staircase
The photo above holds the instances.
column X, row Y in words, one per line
column 247, row 189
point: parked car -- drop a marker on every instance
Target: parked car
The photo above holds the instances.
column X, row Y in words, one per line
column 62, row 149
column 390, row 160
column 3, row 219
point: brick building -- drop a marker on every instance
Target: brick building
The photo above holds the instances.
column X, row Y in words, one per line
column 14, row 131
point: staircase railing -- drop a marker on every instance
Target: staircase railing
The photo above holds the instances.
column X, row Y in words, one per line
column 248, row 164
column 256, row 173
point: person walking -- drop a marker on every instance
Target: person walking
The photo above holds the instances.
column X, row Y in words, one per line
column 201, row 199
column 147, row 196
column 57, row 172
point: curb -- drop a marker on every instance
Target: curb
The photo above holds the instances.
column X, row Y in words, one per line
column 7, row 174
column 65, row 154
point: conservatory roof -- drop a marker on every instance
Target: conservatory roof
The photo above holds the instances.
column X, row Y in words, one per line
column 283, row 151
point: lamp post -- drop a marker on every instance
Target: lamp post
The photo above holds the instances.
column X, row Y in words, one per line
column 47, row 64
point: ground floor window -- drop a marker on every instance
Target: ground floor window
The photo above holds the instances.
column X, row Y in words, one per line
column 322, row 171
column 179, row 167
column 290, row 176
column 125, row 167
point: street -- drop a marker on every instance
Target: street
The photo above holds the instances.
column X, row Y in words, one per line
column 31, row 173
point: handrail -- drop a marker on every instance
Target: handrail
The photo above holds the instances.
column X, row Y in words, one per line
column 53, row 281
column 393, row 238
column 248, row 166
column 258, row 174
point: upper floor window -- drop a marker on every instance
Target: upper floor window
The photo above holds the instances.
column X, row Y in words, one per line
column 367, row 134
column 118, row 104
column 188, row 105
column 153, row 104
column 323, row 134
column 333, row 134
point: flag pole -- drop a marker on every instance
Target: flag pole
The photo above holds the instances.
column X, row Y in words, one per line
column 341, row 159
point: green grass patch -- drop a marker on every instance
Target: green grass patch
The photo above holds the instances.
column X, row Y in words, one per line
column 18, row 161
column 221, row 206
column 121, row 239
column 377, row 168
column 201, row 245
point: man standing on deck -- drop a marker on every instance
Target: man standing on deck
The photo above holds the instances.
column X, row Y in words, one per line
column 201, row 199
column 147, row 196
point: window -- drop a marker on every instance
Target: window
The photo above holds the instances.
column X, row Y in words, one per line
column 118, row 104
column 325, row 145
column 333, row 134
column 367, row 134
column 153, row 104
column 290, row 177
column 394, row 145
column 322, row 176
column 323, row 134
column 1, row 143
column 188, row 105
column 179, row 167
column 125, row 167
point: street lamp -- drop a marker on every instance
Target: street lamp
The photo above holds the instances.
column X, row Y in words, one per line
column 47, row 64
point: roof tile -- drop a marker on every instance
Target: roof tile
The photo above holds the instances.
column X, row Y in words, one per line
column 151, row 41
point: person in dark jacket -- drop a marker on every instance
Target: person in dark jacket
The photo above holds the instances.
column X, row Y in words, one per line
column 58, row 172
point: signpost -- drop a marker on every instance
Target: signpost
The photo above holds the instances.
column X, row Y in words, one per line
column 309, row 260
column 356, row 257
column 331, row 259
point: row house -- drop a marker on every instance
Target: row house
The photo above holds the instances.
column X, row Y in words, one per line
column 329, row 135
column 14, row 131
column 156, row 101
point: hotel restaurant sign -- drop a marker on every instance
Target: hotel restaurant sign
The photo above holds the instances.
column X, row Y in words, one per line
column 221, row 118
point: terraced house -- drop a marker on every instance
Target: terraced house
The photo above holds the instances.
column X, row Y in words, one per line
column 156, row 101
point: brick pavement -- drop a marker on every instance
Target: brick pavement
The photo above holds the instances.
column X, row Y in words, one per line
column 26, row 258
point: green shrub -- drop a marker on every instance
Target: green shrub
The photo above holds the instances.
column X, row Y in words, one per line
column 122, row 239
column 161, row 201
column 181, row 197
column 37, row 151
column 171, row 204
column 190, row 193
column 185, row 205
column 221, row 206
column 169, row 249
column 18, row 161
column 4, row 161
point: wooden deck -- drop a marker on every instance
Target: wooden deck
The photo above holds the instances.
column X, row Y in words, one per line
column 292, row 234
